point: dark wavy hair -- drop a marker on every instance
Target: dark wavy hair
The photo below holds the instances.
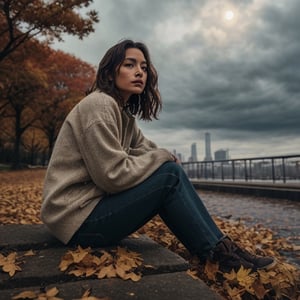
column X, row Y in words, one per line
column 148, row 104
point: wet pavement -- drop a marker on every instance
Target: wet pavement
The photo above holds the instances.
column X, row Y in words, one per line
column 281, row 216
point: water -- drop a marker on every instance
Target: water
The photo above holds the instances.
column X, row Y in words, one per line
column 281, row 216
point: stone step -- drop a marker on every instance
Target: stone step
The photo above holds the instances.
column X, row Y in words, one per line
column 175, row 286
column 26, row 237
column 166, row 278
column 43, row 267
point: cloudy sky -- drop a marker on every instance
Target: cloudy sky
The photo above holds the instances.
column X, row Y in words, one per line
column 231, row 68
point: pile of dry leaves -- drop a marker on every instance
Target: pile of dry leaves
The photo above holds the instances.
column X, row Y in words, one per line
column 106, row 264
column 282, row 282
column 20, row 204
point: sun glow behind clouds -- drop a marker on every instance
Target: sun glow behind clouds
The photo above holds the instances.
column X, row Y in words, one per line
column 229, row 15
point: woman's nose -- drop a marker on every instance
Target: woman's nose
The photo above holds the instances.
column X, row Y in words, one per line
column 139, row 72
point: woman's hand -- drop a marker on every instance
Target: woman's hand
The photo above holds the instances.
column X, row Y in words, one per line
column 176, row 160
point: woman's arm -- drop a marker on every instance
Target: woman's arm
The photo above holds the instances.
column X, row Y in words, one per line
column 111, row 167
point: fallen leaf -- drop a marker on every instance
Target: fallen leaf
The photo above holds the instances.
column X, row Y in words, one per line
column 232, row 276
column 25, row 295
column 107, row 271
column 133, row 276
column 211, row 270
column 259, row 289
column 11, row 268
column 10, row 263
column 52, row 292
column 245, row 278
column 87, row 296
column 193, row 273
column 29, row 253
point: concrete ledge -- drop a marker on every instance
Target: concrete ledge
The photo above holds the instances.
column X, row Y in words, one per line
column 43, row 267
column 175, row 286
column 166, row 280
column 26, row 237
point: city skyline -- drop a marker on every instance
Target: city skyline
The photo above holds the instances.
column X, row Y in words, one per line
column 206, row 154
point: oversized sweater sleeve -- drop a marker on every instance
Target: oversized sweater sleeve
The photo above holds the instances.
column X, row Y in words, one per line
column 112, row 167
column 140, row 144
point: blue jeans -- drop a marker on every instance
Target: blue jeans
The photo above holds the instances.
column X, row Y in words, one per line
column 167, row 192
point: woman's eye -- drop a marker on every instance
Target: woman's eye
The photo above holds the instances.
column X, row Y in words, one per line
column 129, row 65
column 145, row 69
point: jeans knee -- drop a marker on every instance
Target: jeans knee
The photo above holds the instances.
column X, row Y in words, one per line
column 172, row 173
column 172, row 167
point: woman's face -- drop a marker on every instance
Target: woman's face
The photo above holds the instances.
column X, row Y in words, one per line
column 131, row 76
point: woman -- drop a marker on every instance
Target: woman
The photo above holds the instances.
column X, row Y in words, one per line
column 105, row 179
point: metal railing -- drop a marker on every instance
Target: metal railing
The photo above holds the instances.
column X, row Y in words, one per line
column 269, row 168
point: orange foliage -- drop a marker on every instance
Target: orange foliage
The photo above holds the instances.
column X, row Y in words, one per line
column 22, row 20
column 39, row 86
column 68, row 80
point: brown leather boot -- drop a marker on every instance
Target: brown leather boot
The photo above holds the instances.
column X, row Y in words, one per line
column 228, row 254
column 224, row 254
column 260, row 262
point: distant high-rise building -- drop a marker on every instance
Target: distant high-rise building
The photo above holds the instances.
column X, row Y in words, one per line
column 180, row 157
column 222, row 154
column 194, row 152
column 208, row 156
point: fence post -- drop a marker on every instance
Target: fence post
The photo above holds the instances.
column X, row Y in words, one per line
column 246, row 173
column 273, row 171
column 283, row 170
column 222, row 171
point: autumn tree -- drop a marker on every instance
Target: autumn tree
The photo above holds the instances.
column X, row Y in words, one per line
column 38, row 92
column 34, row 143
column 21, row 20
column 68, row 80
column 21, row 88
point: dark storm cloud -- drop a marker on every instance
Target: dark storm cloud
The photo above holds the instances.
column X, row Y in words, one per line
column 252, row 85
column 238, row 79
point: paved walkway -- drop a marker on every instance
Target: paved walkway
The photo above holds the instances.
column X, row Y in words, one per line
column 290, row 191
column 166, row 280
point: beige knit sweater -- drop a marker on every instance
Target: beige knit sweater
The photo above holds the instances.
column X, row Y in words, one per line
column 99, row 150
